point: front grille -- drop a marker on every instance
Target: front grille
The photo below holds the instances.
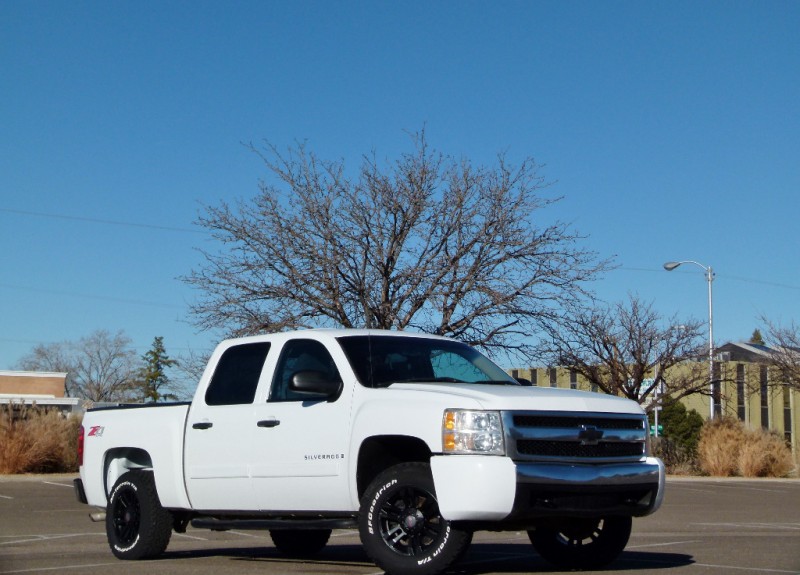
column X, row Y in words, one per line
column 575, row 437
column 577, row 421
column 572, row 449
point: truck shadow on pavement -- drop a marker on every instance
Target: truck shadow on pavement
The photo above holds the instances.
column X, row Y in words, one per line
column 480, row 560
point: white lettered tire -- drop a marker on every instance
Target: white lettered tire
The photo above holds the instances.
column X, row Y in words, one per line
column 400, row 525
column 136, row 525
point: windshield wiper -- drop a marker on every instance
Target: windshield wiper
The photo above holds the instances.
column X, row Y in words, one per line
column 430, row 380
column 497, row 382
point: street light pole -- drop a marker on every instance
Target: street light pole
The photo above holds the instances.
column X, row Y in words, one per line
column 669, row 266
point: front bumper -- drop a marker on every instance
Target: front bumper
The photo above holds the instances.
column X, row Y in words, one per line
column 495, row 489
column 548, row 489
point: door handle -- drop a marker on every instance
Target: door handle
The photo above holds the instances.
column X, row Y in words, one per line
column 268, row 423
column 202, row 425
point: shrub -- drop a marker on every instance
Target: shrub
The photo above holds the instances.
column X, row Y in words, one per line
column 764, row 454
column 728, row 448
column 681, row 427
column 34, row 440
column 677, row 459
column 718, row 449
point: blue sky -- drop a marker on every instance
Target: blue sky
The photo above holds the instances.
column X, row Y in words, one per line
column 671, row 129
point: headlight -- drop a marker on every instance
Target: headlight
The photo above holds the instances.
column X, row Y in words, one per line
column 475, row 432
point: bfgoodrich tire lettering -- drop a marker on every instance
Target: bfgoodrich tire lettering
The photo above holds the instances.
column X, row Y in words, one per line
column 136, row 525
column 582, row 543
column 400, row 525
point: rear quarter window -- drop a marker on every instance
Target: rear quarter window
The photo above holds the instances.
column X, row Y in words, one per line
column 237, row 373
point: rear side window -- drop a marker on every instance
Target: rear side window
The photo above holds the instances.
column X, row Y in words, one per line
column 236, row 378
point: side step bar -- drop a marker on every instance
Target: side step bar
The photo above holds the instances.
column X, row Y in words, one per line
column 258, row 524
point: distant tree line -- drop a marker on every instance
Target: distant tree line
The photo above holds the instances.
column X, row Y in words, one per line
column 426, row 242
column 103, row 367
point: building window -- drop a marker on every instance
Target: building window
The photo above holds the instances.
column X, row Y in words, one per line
column 573, row 379
column 553, row 381
column 787, row 415
column 534, row 376
column 716, row 396
column 515, row 373
column 764, row 396
column 740, row 410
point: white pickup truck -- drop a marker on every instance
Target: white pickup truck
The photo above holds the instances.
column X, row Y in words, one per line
column 415, row 440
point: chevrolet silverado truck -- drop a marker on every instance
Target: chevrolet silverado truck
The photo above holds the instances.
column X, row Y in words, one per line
column 417, row 441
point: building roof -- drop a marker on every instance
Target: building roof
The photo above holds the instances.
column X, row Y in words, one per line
column 744, row 351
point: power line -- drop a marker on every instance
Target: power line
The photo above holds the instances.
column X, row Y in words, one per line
column 92, row 296
column 103, row 221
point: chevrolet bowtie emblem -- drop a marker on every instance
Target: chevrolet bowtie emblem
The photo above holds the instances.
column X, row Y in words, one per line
column 590, row 435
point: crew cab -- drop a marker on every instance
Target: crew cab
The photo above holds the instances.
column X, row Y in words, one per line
column 415, row 440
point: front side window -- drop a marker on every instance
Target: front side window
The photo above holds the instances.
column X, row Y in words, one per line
column 379, row 361
column 301, row 355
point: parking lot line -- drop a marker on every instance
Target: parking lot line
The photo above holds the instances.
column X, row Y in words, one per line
column 59, row 568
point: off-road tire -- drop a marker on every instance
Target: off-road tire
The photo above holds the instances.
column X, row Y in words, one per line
column 579, row 543
column 401, row 527
column 136, row 525
column 300, row 543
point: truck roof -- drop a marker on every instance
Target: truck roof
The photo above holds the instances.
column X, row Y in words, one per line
column 330, row 332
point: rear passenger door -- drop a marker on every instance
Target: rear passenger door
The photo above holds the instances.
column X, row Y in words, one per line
column 219, row 431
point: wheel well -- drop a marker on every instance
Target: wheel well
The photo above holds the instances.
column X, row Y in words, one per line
column 121, row 460
column 380, row 453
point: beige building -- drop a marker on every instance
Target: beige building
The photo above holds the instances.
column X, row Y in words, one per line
column 747, row 391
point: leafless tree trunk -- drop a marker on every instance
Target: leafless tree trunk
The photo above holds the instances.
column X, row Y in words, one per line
column 627, row 350
column 430, row 243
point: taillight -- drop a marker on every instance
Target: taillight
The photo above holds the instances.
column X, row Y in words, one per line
column 80, row 446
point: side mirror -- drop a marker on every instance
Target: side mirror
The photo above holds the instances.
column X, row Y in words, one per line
column 315, row 384
column 525, row 382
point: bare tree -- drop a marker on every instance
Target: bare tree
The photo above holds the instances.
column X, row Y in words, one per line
column 190, row 368
column 429, row 243
column 99, row 367
column 106, row 367
column 626, row 349
column 784, row 357
column 53, row 357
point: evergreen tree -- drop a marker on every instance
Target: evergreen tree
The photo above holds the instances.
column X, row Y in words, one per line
column 681, row 426
column 154, row 379
column 757, row 338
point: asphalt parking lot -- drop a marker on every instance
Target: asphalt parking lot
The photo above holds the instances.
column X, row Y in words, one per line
column 705, row 527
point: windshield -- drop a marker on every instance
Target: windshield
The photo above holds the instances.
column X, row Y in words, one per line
column 379, row 361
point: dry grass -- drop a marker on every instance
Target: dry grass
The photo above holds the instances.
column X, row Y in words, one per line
column 727, row 448
column 36, row 441
column 764, row 454
column 718, row 449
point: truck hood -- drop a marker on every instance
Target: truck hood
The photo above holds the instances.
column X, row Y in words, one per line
column 512, row 397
